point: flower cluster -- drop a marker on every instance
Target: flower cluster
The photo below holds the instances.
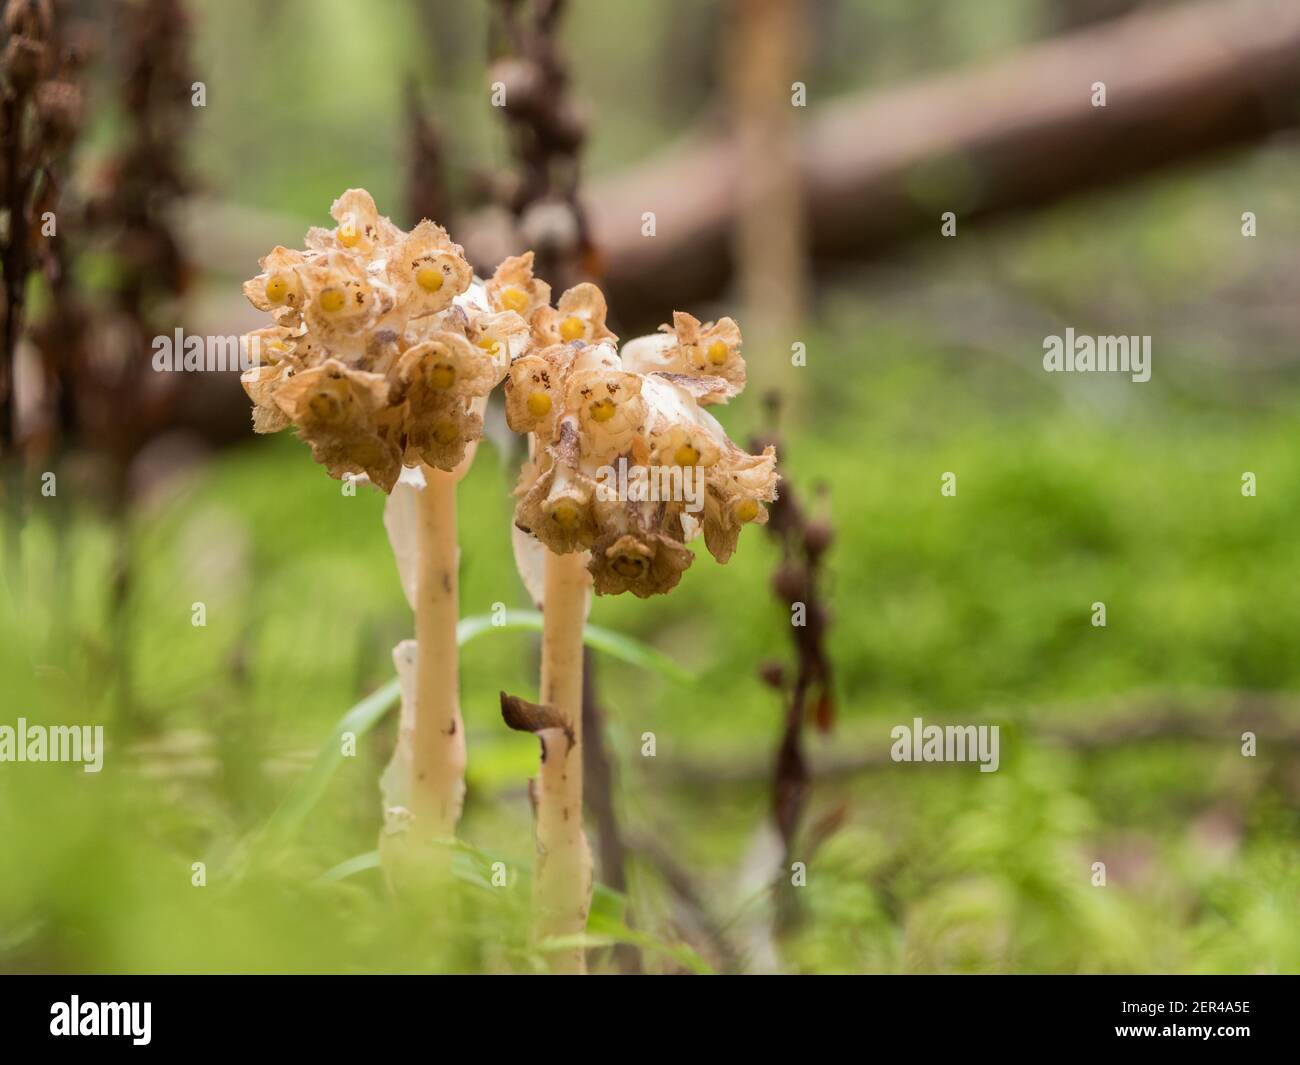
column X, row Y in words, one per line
column 586, row 407
column 383, row 349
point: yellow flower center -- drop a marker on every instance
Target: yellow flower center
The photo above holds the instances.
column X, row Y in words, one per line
column 349, row 236
column 514, row 299
column 602, row 410
column 443, row 375
column 324, row 405
column 629, row 566
column 539, row 404
column 276, row 289
column 331, row 300
column 492, row 347
column 429, row 278
column 444, row 432
column 572, row 328
column 747, row 510
column 565, row 514
column 686, row 455
column 718, row 352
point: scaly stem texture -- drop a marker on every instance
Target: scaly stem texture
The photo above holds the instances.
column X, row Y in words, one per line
column 563, row 875
column 438, row 749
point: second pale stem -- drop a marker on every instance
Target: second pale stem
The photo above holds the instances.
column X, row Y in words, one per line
column 438, row 746
column 563, row 876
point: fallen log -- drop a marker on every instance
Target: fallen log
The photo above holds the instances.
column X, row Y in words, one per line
column 1180, row 84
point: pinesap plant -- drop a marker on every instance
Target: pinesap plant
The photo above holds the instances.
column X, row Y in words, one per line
column 382, row 353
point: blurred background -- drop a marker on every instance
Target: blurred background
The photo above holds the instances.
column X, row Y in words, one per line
column 799, row 159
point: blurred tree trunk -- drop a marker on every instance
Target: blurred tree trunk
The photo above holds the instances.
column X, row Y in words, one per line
column 763, row 57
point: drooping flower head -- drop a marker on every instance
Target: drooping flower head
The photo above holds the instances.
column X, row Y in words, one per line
column 625, row 462
column 384, row 347
column 703, row 358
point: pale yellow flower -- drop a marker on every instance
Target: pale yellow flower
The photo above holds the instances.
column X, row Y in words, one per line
column 645, row 562
column 278, row 288
column 703, row 359
column 361, row 230
column 428, row 270
column 737, row 489
column 335, row 410
column 607, row 401
column 580, row 315
column 514, row 288
column 535, row 393
column 342, row 301
column 503, row 335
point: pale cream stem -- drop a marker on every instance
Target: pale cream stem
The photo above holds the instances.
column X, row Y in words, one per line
column 438, row 745
column 563, row 875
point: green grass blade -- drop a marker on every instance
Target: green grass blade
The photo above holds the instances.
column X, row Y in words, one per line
column 307, row 792
column 357, row 864
column 601, row 933
column 606, row 641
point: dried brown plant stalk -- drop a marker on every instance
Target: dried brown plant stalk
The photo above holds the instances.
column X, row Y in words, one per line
column 546, row 131
column 40, row 117
column 798, row 584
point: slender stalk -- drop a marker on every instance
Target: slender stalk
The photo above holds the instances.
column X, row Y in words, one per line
column 611, row 850
column 438, row 747
column 563, row 875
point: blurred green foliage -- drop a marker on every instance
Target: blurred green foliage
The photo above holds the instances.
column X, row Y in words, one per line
column 976, row 607
column 945, row 608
